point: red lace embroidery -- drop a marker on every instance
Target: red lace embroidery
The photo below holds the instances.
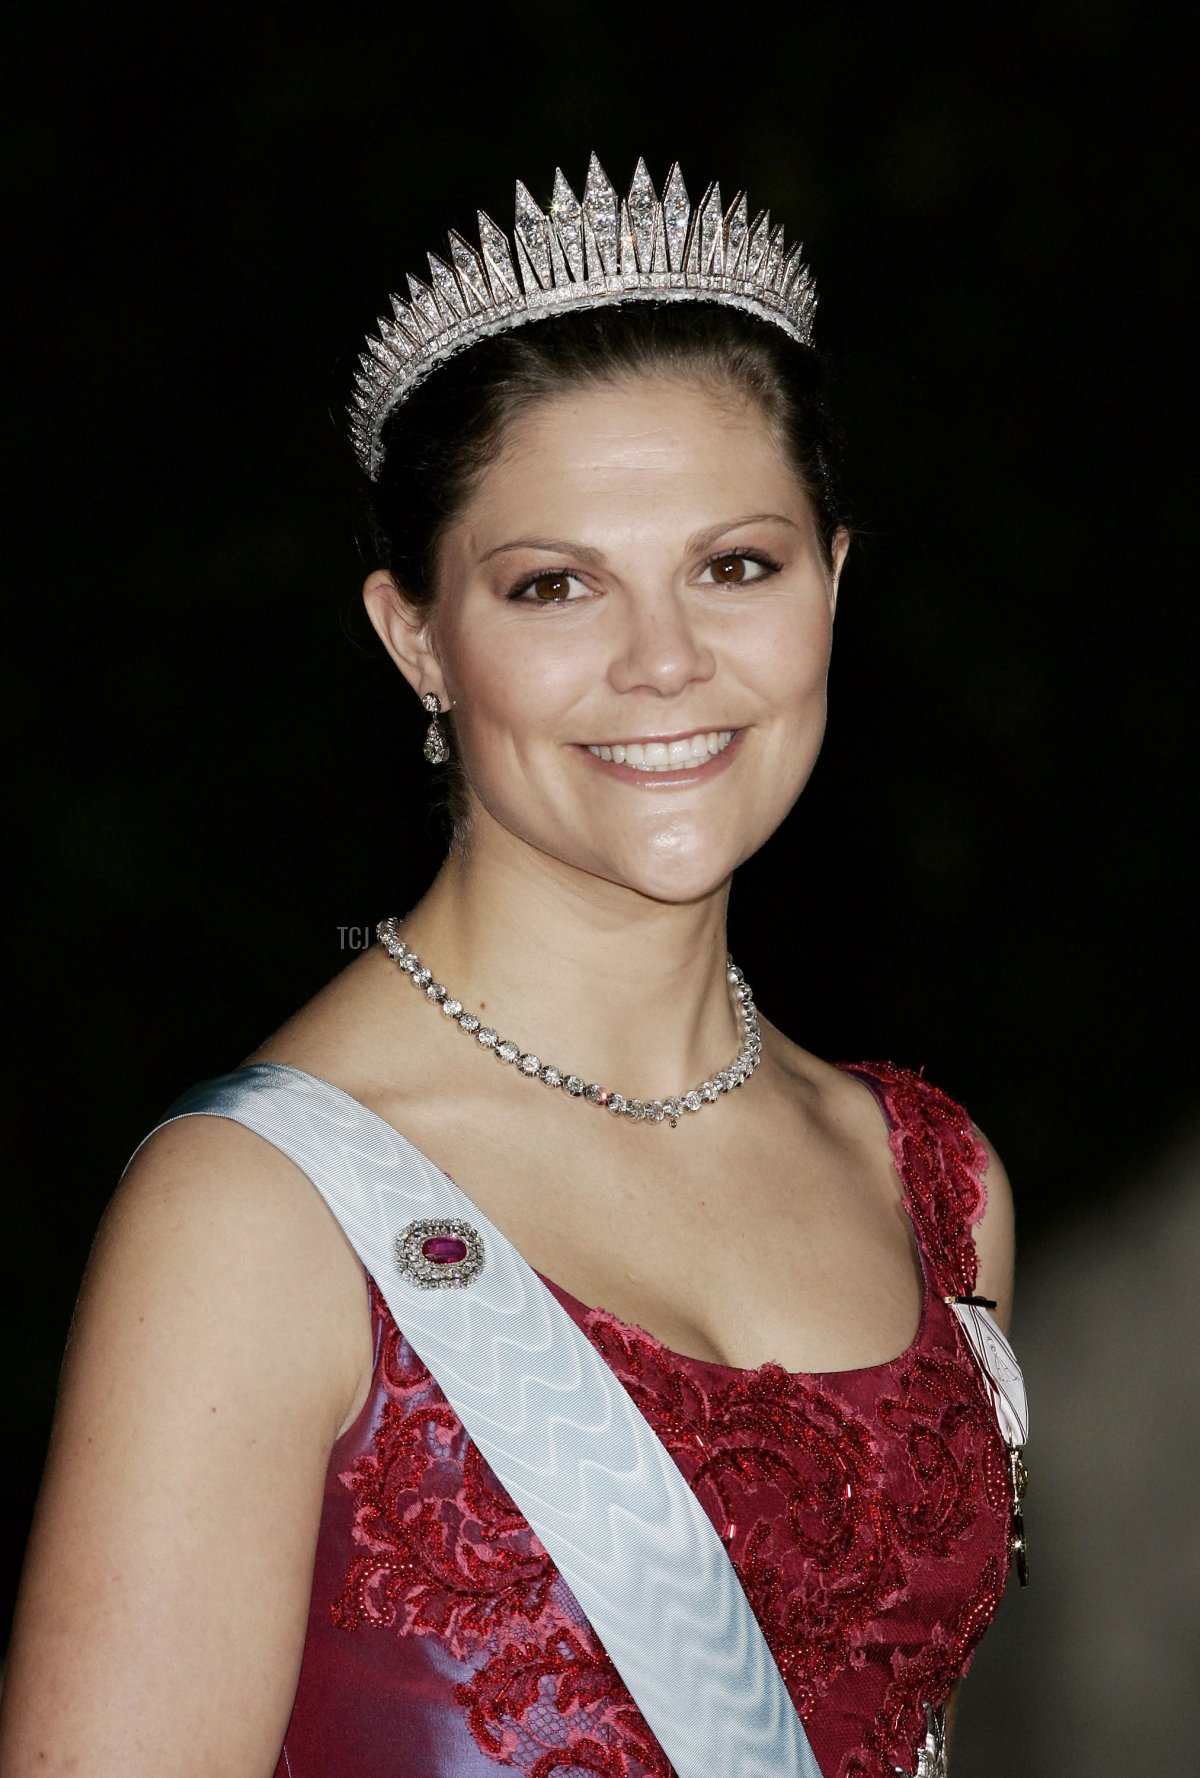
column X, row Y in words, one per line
column 866, row 1514
column 942, row 1163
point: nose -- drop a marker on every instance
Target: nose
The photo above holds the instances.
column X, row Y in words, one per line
column 662, row 650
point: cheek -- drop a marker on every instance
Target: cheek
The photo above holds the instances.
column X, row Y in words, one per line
column 788, row 660
column 512, row 687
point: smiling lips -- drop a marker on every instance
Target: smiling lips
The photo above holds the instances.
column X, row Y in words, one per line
column 667, row 756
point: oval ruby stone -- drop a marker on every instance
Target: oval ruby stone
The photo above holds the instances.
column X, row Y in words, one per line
column 443, row 1250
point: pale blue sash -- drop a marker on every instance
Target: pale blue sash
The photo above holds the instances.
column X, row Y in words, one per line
column 559, row 1430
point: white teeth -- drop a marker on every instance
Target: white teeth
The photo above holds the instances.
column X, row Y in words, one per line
column 666, row 756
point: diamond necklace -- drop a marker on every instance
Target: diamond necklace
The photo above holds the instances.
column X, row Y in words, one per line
column 574, row 1085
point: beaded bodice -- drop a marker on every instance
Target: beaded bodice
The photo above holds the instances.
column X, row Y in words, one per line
column 865, row 1511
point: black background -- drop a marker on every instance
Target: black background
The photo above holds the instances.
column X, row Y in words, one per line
column 212, row 770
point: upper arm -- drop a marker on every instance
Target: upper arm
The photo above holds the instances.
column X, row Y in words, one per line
column 994, row 1238
column 216, row 1348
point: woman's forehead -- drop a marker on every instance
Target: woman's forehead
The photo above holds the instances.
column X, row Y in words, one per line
column 607, row 455
column 629, row 409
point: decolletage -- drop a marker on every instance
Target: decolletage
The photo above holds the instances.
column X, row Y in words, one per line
column 866, row 1512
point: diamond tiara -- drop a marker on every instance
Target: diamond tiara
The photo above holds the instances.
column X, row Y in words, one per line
column 578, row 256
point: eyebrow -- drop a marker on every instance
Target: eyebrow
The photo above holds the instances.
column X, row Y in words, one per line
column 565, row 546
column 555, row 546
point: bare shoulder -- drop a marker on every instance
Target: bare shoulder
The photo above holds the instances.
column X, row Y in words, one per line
column 215, row 1352
column 212, row 1225
column 846, row 1111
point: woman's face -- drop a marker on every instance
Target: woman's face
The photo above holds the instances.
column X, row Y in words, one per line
column 634, row 624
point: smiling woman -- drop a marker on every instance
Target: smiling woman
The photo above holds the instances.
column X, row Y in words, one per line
column 676, row 1439
column 441, row 443
column 638, row 564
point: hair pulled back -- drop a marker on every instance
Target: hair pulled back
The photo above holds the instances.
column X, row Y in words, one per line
column 440, row 441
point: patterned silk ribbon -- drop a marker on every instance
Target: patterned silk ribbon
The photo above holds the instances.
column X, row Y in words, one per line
column 559, row 1429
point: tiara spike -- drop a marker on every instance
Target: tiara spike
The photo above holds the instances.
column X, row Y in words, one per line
column 395, row 338
column 628, row 249
column 760, row 234
column 559, row 269
column 408, row 321
column 712, row 233
column 659, row 268
column 529, row 278
column 566, row 216
column 676, row 212
column 803, row 300
column 793, row 274
column 736, row 237
column 498, row 259
column 424, row 307
column 446, row 293
column 533, row 233
column 383, row 354
column 471, row 279
column 693, row 253
column 577, row 254
column 773, row 264
column 600, row 208
column 644, row 212
column 591, row 248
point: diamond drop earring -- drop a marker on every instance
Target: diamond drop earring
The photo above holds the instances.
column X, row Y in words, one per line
column 437, row 748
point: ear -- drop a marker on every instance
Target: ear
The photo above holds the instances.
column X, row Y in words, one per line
column 841, row 549
column 404, row 631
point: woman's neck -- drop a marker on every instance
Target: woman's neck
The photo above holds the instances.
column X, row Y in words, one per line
column 629, row 991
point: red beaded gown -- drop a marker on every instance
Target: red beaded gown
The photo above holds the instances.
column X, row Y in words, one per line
column 867, row 1513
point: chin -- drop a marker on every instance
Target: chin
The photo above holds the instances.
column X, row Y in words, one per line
column 670, row 858
column 678, row 863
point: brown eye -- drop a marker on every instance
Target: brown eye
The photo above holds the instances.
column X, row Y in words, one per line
column 551, row 586
column 556, row 586
column 728, row 570
column 739, row 568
